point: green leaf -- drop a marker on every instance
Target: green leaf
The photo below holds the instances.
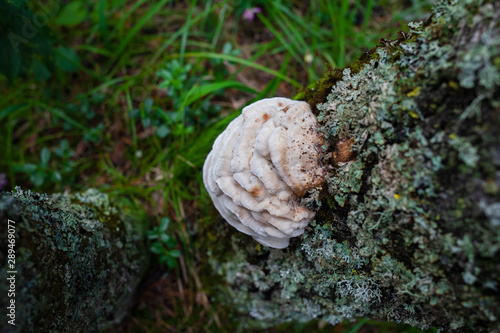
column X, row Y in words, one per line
column 157, row 248
column 164, row 223
column 174, row 253
column 148, row 104
column 171, row 262
column 45, row 156
column 63, row 148
column 37, row 178
column 146, row 122
column 10, row 60
column 152, row 234
column 171, row 243
column 72, row 14
column 162, row 131
column 165, row 238
column 26, row 168
column 227, row 47
column 67, row 59
column 41, row 72
column 56, row 176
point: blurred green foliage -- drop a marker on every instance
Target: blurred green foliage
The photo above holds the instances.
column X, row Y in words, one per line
column 25, row 44
column 164, row 245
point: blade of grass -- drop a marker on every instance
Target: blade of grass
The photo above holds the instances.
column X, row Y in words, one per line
column 244, row 62
column 186, row 31
column 199, row 91
column 357, row 326
column 318, row 33
column 11, row 109
column 96, row 50
column 172, row 38
column 132, row 122
column 208, row 7
column 106, row 84
column 282, row 40
column 102, row 21
column 263, row 49
column 125, row 16
column 328, row 57
column 367, row 13
column 58, row 113
column 291, row 30
column 145, row 19
column 78, row 64
column 298, row 41
column 338, row 18
column 107, row 165
column 218, row 28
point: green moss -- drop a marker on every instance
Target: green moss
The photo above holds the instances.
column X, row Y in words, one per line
column 78, row 260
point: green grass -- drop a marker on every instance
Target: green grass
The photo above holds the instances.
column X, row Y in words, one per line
column 142, row 136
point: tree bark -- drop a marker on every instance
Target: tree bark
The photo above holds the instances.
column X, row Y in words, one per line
column 73, row 266
column 408, row 222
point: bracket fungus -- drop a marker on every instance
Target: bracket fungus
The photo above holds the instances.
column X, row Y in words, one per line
column 260, row 166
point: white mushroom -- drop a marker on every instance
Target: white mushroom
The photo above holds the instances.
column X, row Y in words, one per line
column 260, row 166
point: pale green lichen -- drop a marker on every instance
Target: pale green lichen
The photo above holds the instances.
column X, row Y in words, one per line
column 408, row 229
column 78, row 261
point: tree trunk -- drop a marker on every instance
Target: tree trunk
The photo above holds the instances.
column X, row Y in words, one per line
column 72, row 265
column 408, row 222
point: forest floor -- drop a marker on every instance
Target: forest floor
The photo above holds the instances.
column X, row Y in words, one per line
column 128, row 96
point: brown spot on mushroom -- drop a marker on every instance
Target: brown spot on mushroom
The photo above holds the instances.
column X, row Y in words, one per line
column 285, row 109
column 265, row 117
column 256, row 191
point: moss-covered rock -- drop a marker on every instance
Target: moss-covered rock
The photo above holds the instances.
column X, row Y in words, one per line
column 78, row 261
column 408, row 226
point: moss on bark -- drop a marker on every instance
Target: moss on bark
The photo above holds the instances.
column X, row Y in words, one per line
column 408, row 228
column 78, row 261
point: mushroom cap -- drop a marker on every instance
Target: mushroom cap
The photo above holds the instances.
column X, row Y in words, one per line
column 260, row 166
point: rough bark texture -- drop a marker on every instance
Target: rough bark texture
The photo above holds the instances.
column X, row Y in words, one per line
column 408, row 226
column 78, row 261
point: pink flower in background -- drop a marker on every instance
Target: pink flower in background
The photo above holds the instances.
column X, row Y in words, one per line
column 3, row 180
column 249, row 13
